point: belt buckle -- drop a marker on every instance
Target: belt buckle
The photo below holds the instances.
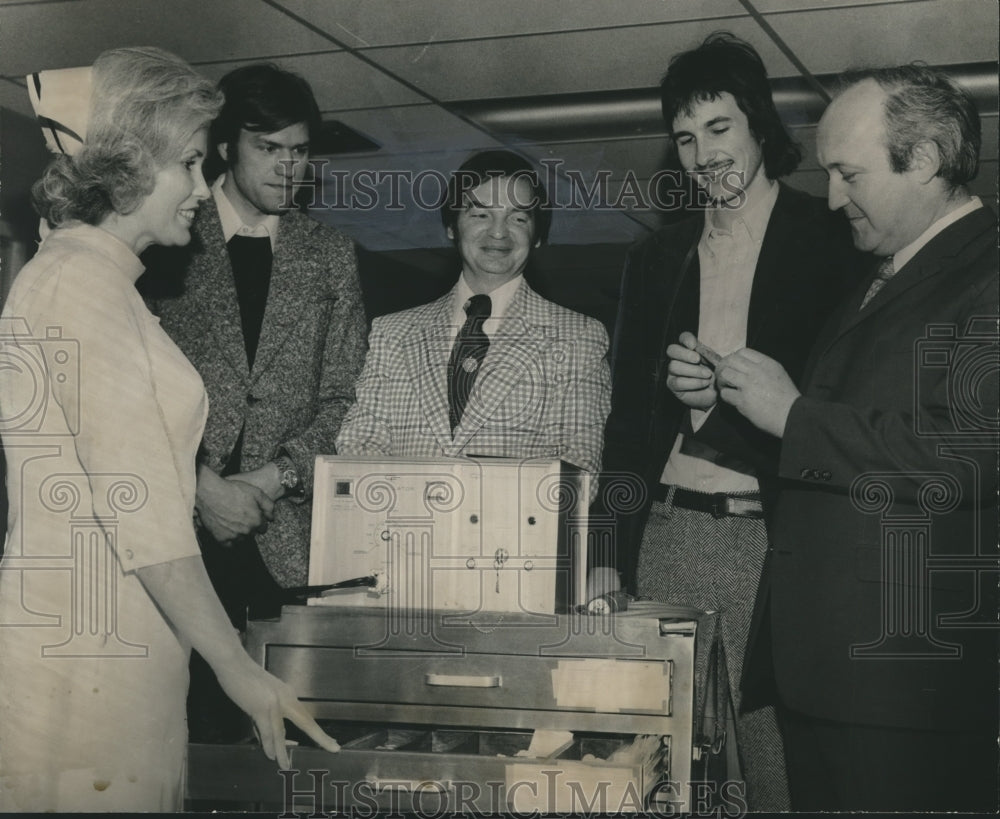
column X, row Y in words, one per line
column 720, row 505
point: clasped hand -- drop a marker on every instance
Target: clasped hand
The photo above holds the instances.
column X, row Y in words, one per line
column 230, row 507
column 754, row 384
column 758, row 387
column 688, row 378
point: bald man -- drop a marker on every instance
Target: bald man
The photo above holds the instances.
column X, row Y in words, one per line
column 877, row 612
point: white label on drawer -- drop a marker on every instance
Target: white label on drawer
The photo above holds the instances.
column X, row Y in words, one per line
column 611, row 685
column 571, row 788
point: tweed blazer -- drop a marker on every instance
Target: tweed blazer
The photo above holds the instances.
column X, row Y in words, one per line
column 543, row 391
column 311, row 349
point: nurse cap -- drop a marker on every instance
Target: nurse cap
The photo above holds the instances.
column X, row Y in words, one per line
column 61, row 99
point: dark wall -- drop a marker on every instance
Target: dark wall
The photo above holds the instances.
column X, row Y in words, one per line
column 584, row 278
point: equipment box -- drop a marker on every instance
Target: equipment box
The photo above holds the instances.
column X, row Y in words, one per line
column 483, row 712
column 450, row 534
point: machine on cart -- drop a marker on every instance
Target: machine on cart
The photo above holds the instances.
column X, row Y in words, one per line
column 446, row 651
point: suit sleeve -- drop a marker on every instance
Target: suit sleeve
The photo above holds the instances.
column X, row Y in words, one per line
column 587, row 402
column 832, row 443
column 342, row 360
column 632, row 367
column 367, row 429
column 122, row 440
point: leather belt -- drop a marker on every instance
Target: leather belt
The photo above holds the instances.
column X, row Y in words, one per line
column 717, row 504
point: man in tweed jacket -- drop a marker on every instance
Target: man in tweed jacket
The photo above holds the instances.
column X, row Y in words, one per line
column 543, row 389
column 270, row 313
column 286, row 406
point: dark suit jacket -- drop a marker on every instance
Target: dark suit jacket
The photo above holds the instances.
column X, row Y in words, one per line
column 807, row 264
column 311, row 350
column 896, row 432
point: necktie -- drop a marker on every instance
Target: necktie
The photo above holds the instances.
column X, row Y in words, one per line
column 467, row 356
column 886, row 270
column 251, row 260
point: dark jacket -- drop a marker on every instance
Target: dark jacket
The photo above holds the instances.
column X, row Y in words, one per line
column 885, row 530
column 807, row 264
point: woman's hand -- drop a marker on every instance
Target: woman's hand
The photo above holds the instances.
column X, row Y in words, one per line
column 269, row 702
column 183, row 592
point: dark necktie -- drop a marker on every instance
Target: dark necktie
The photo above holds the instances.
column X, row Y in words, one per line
column 251, row 259
column 886, row 270
column 467, row 356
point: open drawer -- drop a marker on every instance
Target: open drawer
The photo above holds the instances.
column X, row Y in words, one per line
column 440, row 770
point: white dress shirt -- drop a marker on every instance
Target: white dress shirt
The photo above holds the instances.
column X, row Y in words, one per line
column 499, row 302
column 233, row 224
column 727, row 260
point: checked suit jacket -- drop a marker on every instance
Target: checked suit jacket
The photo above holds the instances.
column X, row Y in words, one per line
column 543, row 390
column 807, row 265
column 311, row 349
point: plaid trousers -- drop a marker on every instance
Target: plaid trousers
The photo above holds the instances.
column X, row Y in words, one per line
column 714, row 564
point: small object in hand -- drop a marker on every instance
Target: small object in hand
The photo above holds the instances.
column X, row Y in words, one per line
column 708, row 355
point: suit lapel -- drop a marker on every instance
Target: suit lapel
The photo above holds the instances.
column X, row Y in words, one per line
column 427, row 359
column 674, row 288
column 936, row 258
column 215, row 291
column 677, row 276
column 294, row 274
column 777, row 265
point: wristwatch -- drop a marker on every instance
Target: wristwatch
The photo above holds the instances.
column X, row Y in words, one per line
column 288, row 476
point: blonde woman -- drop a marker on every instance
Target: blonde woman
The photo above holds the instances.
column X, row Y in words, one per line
column 102, row 588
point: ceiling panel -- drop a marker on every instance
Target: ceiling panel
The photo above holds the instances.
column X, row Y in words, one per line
column 416, row 128
column 559, row 63
column 776, row 6
column 338, row 79
column 473, row 50
column 939, row 33
column 366, row 23
column 74, row 33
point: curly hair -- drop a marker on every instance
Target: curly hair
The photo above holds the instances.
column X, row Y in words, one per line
column 924, row 104
column 723, row 64
column 145, row 106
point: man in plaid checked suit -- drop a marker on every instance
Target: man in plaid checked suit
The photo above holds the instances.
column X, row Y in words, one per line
column 542, row 389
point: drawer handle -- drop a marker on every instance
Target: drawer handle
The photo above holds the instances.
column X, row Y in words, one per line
column 463, row 681
column 377, row 785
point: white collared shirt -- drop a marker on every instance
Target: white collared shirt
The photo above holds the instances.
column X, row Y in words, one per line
column 901, row 257
column 727, row 260
column 500, row 299
column 233, row 224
